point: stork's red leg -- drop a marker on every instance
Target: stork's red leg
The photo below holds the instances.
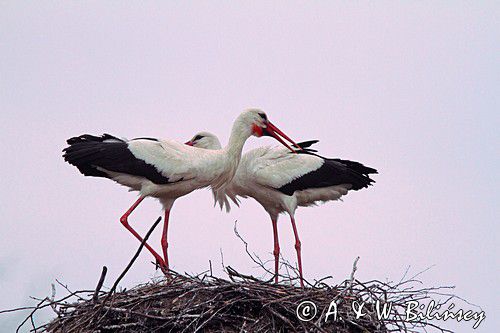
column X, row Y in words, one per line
column 124, row 221
column 276, row 251
column 297, row 248
column 164, row 240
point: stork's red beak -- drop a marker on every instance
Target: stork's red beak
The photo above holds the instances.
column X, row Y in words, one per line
column 189, row 143
column 275, row 132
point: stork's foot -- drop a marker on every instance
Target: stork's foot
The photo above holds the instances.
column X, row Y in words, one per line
column 160, row 264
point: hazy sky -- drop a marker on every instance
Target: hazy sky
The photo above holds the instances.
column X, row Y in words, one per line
column 410, row 88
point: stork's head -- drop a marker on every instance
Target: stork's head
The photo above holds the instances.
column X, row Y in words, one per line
column 205, row 140
column 259, row 125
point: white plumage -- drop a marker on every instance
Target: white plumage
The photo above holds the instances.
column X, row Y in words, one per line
column 187, row 168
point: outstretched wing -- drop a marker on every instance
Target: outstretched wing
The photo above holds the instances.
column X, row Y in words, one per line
column 160, row 161
column 288, row 172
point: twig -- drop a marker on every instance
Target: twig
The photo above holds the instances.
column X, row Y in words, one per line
column 99, row 284
column 354, row 269
column 136, row 255
column 52, row 298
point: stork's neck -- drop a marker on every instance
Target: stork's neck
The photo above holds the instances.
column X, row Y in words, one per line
column 239, row 134
column 232, row 154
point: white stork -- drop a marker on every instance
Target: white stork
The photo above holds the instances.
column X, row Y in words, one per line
column 281, row 181
column 165, row 169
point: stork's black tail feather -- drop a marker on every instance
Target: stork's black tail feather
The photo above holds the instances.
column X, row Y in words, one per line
column 331, row 173
column 356, row 166
column 84, row 150
column 307, row 144
column 355, row 172
column 334, row 171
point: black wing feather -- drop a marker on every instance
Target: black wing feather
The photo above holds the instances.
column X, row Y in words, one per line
column 305, row 146
column 332, row 172
column 88, row 152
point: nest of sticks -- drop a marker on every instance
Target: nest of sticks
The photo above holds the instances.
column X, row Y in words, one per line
column 241, row 303
column 208, row 304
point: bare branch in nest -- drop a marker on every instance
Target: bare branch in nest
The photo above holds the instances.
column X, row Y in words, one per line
column 255, row 258
column 99, row 284
column 136, row 255
column 287, row 278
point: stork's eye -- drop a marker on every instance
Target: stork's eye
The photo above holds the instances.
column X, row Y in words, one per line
column 198, row 137
column 262, row 115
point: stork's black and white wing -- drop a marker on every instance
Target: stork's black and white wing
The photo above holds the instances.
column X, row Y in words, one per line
column 131, row 162
column 288, row 172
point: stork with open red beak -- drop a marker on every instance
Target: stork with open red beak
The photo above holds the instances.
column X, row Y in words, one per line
column 166, row 169
column 281, row 181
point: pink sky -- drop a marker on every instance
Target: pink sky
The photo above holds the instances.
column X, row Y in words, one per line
column 411, row 89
